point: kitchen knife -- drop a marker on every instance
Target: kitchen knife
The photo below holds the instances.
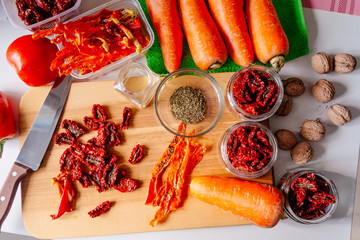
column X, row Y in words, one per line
column 36, row 143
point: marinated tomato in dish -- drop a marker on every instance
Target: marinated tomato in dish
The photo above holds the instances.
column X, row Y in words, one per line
column 254, row 92
column 249, row 148
column 92, row 42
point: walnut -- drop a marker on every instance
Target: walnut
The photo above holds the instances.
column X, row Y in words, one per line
column 321, row 63
column 344, row 63
column 286, row 139
column 323, row 91
column 285, row 106
column 302, row 153
column 294, row 87
column 339, row 114
column 313, row 130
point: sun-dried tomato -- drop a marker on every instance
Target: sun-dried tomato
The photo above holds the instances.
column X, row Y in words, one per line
column 127, row 112
column 136, row 154
column 249, row 149
column 309, row 196
column 64, row 138
column 92, row 163
column 126, row 185
column 99, row 113
column 91, row 123
column 73, row 128
column 101, row 209
column 254, row 92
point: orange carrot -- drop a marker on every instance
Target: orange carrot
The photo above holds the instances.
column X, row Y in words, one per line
column 269, row 39
column 207, row 47
column 259, row 203
column 229, row 16
column 165, row 18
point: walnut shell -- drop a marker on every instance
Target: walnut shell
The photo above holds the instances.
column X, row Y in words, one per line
column 339, row 114
column 285, row 106
column 344, row 63
column 294, row 87
column 313, row 130
column 286, row 139
column 323, row 91
column 322, row 63
column 302, row 153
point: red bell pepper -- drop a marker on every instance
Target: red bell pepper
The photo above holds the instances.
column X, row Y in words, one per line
column 67, row 194
column 7, row 121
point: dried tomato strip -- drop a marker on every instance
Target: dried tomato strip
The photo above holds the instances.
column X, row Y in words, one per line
column 136, row 154
column 127, row 112
column 91, row 123
column 64, row 138
column 101, row 209
column 99, row 113
column 73, row 128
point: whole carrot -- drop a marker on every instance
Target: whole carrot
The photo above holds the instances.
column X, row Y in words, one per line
column 259, row 203
column 229, row 16
column 165, row 18
column 270, row 42
column 207, row 47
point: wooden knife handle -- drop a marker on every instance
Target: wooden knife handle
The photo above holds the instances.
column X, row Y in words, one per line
column 8, row 191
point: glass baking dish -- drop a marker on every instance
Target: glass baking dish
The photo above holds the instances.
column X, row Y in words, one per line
column 12, row 14
column 115, row 5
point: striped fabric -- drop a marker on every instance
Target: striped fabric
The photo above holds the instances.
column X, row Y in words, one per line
column 351, row 7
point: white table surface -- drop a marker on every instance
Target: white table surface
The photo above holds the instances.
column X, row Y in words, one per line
column 336, row 154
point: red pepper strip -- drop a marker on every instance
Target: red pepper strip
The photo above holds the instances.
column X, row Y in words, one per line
column 7, row 121
column 68, row 195
column 163, row 162
column 171, row 195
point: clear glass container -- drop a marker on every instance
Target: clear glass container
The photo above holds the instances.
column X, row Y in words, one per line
column 241, row 172
column 284, row 184
column 137, row 82
column 200, row 80
column 238, row 110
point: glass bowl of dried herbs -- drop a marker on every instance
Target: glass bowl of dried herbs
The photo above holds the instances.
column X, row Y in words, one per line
column 192, row 97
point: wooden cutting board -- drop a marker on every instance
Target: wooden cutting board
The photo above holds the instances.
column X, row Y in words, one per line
column 128, row 213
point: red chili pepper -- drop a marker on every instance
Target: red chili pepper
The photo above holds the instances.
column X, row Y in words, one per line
column 7, row 121
column 126, row 117
column 101, row 209
column 136, row 154
column 67, row 194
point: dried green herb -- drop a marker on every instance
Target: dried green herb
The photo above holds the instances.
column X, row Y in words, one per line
column 188, row 105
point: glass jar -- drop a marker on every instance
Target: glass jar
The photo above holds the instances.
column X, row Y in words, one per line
column 239, row 172
column 285, row 182
column 244, row 114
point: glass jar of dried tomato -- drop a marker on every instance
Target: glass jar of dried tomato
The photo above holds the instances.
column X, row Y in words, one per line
column 255, row 93
column 310, row 196
column 248, row 149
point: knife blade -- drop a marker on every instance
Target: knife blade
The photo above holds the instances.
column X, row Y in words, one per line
column 36, row 143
